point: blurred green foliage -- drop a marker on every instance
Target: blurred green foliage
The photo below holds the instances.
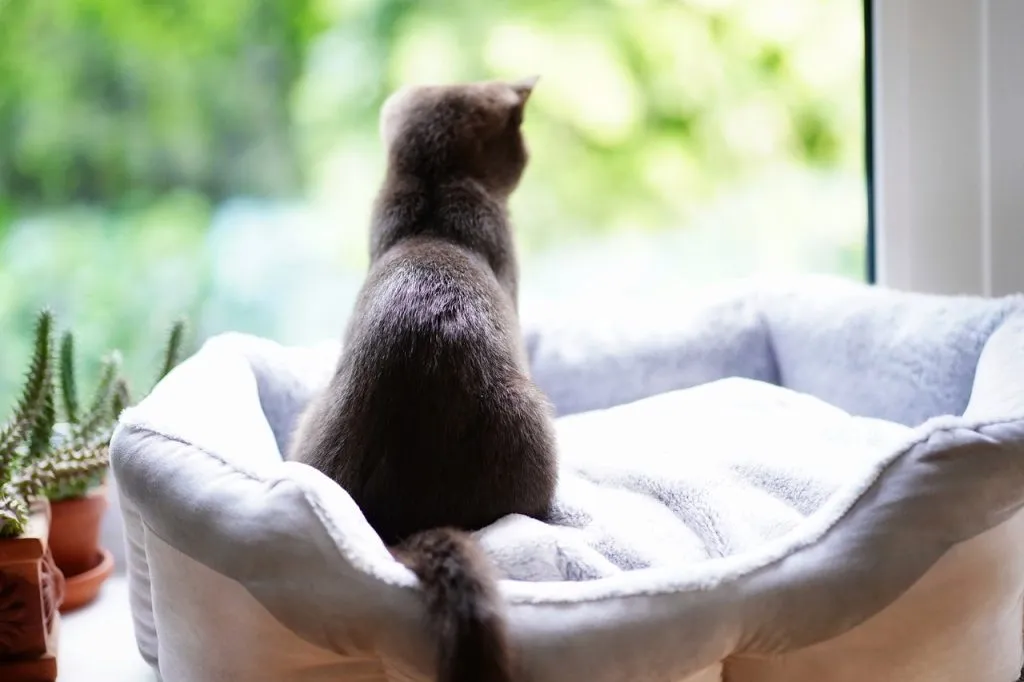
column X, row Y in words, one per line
column 645, row 109
column 128, row 128
column 116, row 102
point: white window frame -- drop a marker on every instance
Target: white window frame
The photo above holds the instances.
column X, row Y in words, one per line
column 948, row 145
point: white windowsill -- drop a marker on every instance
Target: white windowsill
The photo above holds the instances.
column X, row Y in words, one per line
column 97, row 642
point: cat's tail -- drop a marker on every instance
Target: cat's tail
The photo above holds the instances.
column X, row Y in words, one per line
column 462, row 603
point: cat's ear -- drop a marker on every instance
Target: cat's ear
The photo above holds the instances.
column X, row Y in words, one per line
column 523, row 87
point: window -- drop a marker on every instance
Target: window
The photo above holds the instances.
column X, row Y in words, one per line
column 948, row 149
column 218, row 160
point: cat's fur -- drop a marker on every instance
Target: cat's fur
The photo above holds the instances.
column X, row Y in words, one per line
column 431, row 422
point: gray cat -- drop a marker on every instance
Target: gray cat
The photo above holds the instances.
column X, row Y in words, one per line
column 431, row 422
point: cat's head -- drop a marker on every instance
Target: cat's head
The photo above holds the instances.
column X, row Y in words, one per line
column 469, row 130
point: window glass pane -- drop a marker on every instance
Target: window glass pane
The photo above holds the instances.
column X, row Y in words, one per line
column 219, row 159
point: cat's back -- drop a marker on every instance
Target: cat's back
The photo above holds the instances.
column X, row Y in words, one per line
column 429, row 296
column 435, row 396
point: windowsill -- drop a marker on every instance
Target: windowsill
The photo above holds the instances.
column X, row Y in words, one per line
column 97, row 642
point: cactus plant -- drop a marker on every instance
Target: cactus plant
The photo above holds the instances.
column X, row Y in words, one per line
column 30, row 464
column 21, row 427
column 43, row 457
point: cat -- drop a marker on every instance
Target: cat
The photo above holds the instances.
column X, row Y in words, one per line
column 431, row 421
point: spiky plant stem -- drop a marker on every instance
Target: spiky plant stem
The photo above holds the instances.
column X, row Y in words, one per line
column 69, row 472
column 68, row 385
column 14, row 512
column 121, row 399
column 42, row 428
column 32, row 398
column 98, row 414
column 172, row 351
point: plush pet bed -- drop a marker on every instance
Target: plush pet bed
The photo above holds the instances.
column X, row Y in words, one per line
column 802, row 481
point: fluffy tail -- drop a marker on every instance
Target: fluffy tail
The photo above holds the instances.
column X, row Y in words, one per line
column 462, row 603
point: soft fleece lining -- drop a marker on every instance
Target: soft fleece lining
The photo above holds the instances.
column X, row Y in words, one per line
column 809, row 556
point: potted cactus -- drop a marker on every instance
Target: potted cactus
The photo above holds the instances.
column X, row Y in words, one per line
column 82, row 435
column 31, row 585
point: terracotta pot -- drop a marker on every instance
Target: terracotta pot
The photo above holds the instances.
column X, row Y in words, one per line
column 31, row 592
column 75, row 531
column 83, row 588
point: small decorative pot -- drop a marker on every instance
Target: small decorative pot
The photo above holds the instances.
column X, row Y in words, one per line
column 31, row 593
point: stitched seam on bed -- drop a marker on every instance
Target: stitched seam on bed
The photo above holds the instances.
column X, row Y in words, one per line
column 693, row 585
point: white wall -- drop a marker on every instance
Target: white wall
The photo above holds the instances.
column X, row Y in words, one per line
column 949, row 145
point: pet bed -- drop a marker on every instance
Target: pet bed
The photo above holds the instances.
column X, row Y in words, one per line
column 786, row 481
